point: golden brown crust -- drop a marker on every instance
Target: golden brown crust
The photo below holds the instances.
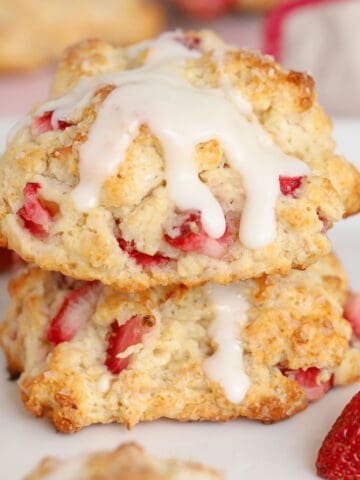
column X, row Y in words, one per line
column 293, row 322
column 35, row 33
column 127, row 462
column 134, row 203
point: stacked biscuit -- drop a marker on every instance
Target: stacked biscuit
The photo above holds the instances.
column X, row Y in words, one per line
column 174, row 197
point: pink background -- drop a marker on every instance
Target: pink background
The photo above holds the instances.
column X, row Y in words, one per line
column 19, row 92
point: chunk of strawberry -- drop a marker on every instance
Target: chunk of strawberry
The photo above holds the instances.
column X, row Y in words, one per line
column 43, row 124
column 75, row 311
column 325, row 223
column 37, row 218
column 309, row 380
column 204, row 9
column 6, row 259
column 339, row 455
column 189, row 235
column 352, row 312
column 121, row 337
column 288, row 185
column 142, row 258
column 62, row 124
column 192, row 42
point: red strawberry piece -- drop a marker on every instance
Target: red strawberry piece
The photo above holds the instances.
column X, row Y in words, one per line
column 189, row 236
column 142, row 258
column 43, row 124
column 339, row 455
column 324, row 221
column 352, row 312
column 6, row 259
column 191, row 42
column 308, row 379
column 288, row 185
column 62, row 124
column 75, row 311
column 121, row 337
column 204, row 9
column 37, row 217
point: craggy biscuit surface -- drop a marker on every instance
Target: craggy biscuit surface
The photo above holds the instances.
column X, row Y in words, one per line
column 34, row 32
column 134, row 205
column 292, row 323
column 127, row 462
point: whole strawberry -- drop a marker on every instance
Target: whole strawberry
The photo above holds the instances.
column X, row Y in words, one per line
column 339, row 455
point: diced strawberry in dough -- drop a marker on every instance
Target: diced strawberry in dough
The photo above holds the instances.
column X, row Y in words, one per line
column 308, row 379
column 121, row 337
column 324, row 221
column 140, row 257
column 190, row 236
column 74, row 313
column 37, row 218
column 43, row 124
column 191, row 42
column 288, row 185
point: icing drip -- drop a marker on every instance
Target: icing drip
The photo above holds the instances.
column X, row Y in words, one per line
column 226, row 366
column 181, row 116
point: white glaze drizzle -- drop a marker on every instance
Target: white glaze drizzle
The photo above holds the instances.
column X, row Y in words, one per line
column 181, row 116
column 24, row 122
column 226, row 365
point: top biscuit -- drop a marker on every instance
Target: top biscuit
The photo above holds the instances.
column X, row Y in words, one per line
column 180, row 160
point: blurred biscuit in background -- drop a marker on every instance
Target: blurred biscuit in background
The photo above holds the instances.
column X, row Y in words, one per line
column 34, row 32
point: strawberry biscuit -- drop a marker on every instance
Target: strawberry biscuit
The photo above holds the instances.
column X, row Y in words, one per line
column 260, row 348
column 179, row 160
column 129, row 461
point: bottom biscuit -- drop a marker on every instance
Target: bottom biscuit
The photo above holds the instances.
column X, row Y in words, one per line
column 261, row 348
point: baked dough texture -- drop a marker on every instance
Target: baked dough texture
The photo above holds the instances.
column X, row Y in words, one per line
column 33, row 33
column 134, row 205
column 293, row 323
column 127, row 462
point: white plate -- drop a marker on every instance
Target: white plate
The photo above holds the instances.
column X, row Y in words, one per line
column 242, row 449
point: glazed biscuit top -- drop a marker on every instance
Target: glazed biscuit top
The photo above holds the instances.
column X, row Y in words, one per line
column 177, row 160
column 181, row 115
